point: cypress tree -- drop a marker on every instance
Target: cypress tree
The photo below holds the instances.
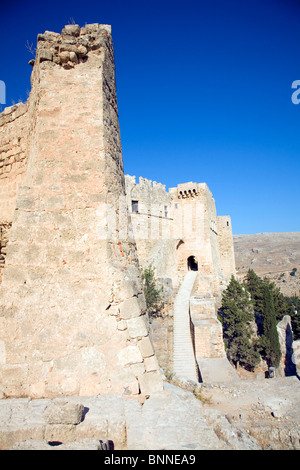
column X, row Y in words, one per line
column 270, row 339
column 254, row 286
column 281, row 305
column 237, row 316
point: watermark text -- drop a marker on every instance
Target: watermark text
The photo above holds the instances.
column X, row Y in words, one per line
column 2, row 92
column 296, row 95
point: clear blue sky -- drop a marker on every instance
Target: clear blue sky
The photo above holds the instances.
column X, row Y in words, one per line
column 204, row 93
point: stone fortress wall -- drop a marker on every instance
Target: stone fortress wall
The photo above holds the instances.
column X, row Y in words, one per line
column 72, row 310
column 73, row 234
column 152, row 218
column 178, row 231
column 172, row 227
column 13, row 162
column 74, row 231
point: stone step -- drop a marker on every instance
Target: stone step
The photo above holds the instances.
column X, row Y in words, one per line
column 184, row 363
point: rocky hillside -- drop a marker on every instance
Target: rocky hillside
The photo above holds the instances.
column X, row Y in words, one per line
column 274, row 255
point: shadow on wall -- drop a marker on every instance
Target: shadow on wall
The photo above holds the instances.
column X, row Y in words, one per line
column 289, row 364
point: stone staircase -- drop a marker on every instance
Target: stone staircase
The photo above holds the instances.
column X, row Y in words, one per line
column 208, row 341
column 184, row 363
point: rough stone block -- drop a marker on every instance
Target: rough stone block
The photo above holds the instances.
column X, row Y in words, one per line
column 64, row 56
column 146, row 347
column 44, row 54
column 151, row 364
column 14, row 374
column 60, row 433
column 137, row 327
column 92, row 28
column 130, row 308
column 73, row 57
column 31, row 444
column 26, row 203
column 71, row 30
column 130, row 355
column 142, row 302
column 41, row 444
column 151, row 382
column 62, row 412
column 2, row 352
column 81, row 50
column 121, row 325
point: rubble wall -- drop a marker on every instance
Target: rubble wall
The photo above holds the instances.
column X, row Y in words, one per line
column 13, row 163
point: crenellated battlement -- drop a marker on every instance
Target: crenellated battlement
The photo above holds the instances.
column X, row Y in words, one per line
column 170, row 226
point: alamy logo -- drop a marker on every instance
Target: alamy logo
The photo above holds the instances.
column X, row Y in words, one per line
column 296, row 94
column 2, row 93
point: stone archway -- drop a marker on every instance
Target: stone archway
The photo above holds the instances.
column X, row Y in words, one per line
column 192, row 263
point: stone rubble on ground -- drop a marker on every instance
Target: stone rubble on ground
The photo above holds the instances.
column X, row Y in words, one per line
column 170, row 420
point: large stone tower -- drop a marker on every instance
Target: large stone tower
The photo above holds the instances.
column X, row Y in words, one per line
column 72, row 312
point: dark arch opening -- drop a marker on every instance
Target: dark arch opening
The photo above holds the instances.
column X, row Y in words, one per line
column 192, row 263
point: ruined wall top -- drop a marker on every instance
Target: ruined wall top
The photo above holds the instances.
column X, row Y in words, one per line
column 66, row 49
column 64, row 228
column 11, row 113
column 72, row 45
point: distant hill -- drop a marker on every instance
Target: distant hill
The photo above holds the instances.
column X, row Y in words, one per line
column 274, row 255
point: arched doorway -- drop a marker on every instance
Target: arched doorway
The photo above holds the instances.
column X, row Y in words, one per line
column 192, row 263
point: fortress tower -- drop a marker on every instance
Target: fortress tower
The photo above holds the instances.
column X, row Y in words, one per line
column 72, row 312
column 179, row 230
column 179, row 233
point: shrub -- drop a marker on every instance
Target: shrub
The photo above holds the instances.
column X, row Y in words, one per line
column 153, row 295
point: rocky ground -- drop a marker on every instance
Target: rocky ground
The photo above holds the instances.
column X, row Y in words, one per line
column 274, row 255
column 245, row 415
column 266, row 409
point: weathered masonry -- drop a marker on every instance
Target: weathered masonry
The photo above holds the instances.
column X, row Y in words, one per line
column 72, row 311
column 178, row 230
column 74, row 232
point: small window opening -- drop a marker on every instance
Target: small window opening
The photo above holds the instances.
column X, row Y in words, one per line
column 192, row 263
column 135, row 206
column 166, row 211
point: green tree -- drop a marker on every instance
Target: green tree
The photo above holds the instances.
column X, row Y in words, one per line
column 153, row 295
column 237, row 319
column 281, row 306
column 294, row 303
column 271, row 351
column 254, row 286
